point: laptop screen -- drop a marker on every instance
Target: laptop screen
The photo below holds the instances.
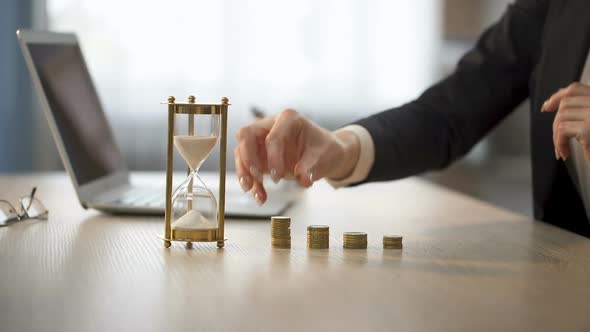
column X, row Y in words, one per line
column 81, row 122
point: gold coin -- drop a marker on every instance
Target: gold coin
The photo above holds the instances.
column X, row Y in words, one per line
column 281, row 242
column 287, row 232
column 282, row 246
column 280, row 226
column 318, row 228
column 280, row 218
column 286, row 238
column 392, row 239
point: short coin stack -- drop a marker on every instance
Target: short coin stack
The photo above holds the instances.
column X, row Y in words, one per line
column 392, row 242
column 318, row 237
column 280, row 232
column 355, row 240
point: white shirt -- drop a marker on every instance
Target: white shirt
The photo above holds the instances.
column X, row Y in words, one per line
column 366, row 157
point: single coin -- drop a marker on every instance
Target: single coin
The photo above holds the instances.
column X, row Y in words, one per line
column 392, row 238
column 280, row 218
column 318, row 228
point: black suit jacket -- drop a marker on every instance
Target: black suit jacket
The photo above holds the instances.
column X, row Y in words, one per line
column 537, row 47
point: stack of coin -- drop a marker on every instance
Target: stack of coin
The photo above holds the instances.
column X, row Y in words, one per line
column 392, row 242
column 355, row 240
column 280, row 232
column 318, row 237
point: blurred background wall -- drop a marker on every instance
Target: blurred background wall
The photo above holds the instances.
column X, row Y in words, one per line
column 334, row 60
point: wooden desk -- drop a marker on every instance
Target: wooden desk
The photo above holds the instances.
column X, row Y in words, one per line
column 466, row 266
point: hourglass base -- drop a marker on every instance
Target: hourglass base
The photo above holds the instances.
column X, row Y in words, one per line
column 168, row 242
column 202, row 235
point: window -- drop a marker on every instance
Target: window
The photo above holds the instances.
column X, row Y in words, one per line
column 333, row 60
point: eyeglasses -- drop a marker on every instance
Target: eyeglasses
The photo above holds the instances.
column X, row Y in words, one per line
column 29, row 208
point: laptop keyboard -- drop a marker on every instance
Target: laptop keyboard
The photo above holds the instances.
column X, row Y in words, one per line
column 141, row 197
column 237, row 203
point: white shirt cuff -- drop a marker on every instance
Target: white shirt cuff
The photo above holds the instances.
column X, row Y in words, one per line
column 366, row 157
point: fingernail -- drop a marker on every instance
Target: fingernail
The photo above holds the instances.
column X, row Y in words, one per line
column 258, row 199
column 274, row 176
column 556, row 155
column 256, row 173
column 543, row 107
column 244, row 184
column 311, row 177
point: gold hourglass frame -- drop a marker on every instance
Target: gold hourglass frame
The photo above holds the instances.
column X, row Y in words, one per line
column 192, row 109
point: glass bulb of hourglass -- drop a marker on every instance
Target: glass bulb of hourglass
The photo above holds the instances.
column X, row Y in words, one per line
column 194, row 149
column 194, row 204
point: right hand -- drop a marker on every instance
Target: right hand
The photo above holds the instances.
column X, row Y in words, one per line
column 292, row 147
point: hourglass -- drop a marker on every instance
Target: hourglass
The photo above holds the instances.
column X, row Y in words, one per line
column 193, row 214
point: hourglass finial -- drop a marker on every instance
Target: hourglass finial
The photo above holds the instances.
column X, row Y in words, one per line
column 191, row 99
column 224, row 101
column 171, row 99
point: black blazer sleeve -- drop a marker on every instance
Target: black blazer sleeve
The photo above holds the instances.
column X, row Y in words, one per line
column 446, row 121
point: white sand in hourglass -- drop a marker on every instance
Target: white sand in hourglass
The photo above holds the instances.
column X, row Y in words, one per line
column 193, row 220
column 194, row 150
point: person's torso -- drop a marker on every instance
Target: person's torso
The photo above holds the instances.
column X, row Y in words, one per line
column 559, row 61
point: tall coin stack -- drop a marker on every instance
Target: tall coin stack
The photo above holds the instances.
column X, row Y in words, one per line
column 392, row 242
column 318, row 237
column 280, row 232
column 355, row 240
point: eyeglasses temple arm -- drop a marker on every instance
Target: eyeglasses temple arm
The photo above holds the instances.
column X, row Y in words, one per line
column 31, row 200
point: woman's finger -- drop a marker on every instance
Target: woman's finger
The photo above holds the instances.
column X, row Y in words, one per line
column 310, row 168
column 565, row 131
column 284, row 133
column 250, row 154
column 244, row 176
column 575, row 102
column 572, row 90
column 259, row 192
column 567, row 114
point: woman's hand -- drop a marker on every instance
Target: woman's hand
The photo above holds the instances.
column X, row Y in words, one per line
column 292, row 147
column 572, row 120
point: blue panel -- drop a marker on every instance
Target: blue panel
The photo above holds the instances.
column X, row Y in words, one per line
column 15, row 90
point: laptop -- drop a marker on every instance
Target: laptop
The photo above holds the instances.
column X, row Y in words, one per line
column 85, row 140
